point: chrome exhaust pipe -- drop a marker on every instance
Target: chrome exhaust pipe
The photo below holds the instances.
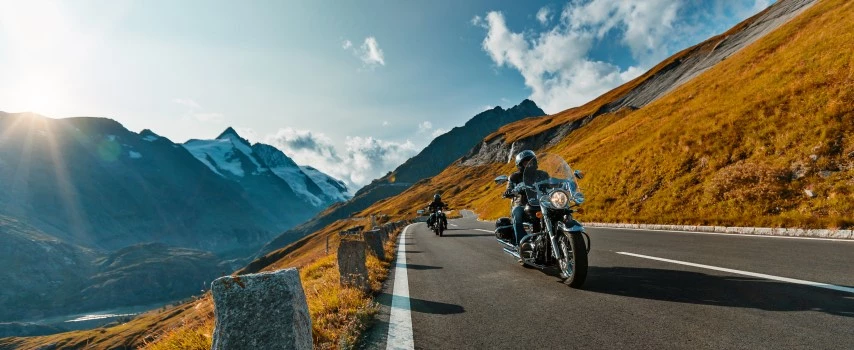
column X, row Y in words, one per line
column 506, row 245
column 513, row 253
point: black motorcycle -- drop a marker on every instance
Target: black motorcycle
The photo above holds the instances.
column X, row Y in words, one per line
column 439, row 222
column 554, row 238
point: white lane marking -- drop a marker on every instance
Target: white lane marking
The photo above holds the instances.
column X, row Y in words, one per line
column 480, row 229
column 453, row 225
column 747, row 273
column 727, row 234
column 400, row 319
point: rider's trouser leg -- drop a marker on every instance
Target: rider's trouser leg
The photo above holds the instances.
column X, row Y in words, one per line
column 518, row 217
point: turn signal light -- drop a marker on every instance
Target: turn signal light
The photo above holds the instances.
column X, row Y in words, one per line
column 539, row 215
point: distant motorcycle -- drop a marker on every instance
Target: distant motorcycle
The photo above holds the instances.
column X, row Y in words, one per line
column 439, row 222
column 555, row 238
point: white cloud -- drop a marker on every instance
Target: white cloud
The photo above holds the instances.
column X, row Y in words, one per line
column 385, row 123
column 544, row 15
column 369, row 52
column 425, row 126
column 645, row 25
column 362, row 160
column 556, row 62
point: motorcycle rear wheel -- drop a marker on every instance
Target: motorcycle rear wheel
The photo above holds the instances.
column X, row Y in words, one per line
column 573, row 264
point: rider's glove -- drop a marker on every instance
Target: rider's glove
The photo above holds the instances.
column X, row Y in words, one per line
column 508, row 194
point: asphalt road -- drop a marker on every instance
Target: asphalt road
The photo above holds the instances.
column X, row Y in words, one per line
column 464, row 292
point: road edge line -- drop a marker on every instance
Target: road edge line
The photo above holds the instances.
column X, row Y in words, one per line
column 400, row 314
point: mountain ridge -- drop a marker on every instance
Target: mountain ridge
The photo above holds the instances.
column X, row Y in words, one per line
column 82, row 188
column 442, row 151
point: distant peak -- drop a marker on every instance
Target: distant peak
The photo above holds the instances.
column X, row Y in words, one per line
column 529, row 106
column 228, row 133
column 231, row 135
column 147, row 132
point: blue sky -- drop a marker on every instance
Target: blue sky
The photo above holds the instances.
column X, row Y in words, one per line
column 352, row 88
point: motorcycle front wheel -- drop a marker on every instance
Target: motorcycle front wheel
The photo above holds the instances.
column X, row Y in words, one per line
column 573, row 264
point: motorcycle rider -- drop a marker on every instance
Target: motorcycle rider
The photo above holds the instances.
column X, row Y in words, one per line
column 433, row 208
column 526, row 165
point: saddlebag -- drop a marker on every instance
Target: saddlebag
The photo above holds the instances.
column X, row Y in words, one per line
column 504, row 229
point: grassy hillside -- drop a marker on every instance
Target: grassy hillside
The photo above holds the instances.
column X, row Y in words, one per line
column 745, row 143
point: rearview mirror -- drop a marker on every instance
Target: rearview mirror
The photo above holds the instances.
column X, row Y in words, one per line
column 501, row 179
column 579, row 174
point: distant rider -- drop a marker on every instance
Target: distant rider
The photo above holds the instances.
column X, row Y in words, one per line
column 526, row 169
column 433, row 208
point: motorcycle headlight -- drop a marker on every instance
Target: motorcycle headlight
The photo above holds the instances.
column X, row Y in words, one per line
column 559, row 199
column 578, row 197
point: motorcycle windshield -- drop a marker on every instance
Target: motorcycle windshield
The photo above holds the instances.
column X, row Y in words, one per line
column 550, row 172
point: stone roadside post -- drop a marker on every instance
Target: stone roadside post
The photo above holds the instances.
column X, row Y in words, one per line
column 375, row 242
column 265, row 310
column 351, row 264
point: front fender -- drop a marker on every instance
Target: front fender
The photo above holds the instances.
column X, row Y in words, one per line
column 572, row 226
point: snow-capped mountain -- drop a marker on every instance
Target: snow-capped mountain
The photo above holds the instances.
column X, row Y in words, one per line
column 229, row 155
column 333, row 187
column 312, row 186
column 234, row 158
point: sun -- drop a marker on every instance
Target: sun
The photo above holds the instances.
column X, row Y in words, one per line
column 40, row 44
column 40, row 94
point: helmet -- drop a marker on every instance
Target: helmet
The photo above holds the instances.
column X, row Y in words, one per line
column 523, row 156
column 437, row 197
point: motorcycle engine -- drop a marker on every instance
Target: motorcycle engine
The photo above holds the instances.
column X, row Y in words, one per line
column 531, row 248
column 526, row 250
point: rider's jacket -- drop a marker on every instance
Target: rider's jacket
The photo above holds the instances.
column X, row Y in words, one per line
column 435, row 206
column 534, row 175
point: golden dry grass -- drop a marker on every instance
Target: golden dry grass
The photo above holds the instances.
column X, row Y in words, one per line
column 130, row 335
column 338, row 314
column 738, row 145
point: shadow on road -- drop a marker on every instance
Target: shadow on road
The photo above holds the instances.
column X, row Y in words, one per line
column 418, row 267
column 729, row 291
column 423, row 306
column 465, row 235
column 375, row 337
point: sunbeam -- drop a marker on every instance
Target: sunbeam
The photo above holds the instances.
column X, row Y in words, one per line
column 66, row 189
